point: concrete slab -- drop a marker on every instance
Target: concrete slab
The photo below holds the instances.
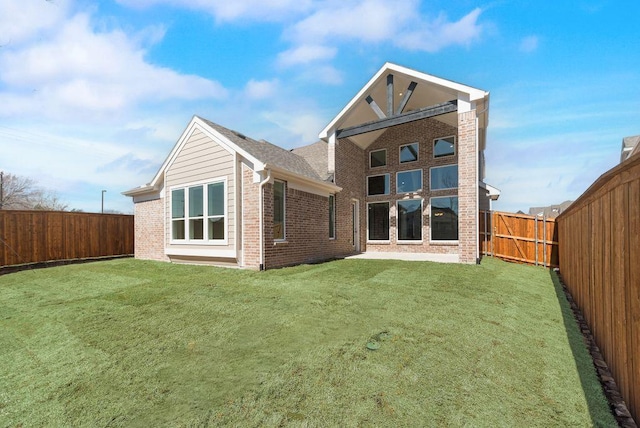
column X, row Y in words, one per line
column 416, row 257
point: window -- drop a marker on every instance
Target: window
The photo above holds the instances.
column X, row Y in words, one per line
column 444, row 146
column 177, row 214
column 410, row 220
column 198, row 213
column 444, row 177
column 409, row 181
column 215, row 211
column 378, row 221
column 377, row 158
column 332, row 216
column 378, row 185
column 278, row 210
column 444, row 219
column 409, row 153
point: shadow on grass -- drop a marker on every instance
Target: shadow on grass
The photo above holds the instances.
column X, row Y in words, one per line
column 599, row 410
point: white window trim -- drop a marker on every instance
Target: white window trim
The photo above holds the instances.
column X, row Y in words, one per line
column 379, row 241
column 205, row 202
column 400, row 153
column 332, row 238
column 284, row 211
column 411, row 191
column 455, row 141
column 410, row 241
column 443, row 188
column 443, row 241
column 379, row 175
column 385, row 158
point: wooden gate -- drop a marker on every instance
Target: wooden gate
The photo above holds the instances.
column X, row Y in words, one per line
column 519, row 238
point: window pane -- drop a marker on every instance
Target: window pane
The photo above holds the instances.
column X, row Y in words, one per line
column 196, row 229
column 215, row 200
column 379, row 221
column 216, row 228
column 409, row 181
column 195, row 202
column 177, row 203
column 410, row 220
column 278, row 210
column 378, row 158
column 177, row 229
column 443, row 147
column 332, row 216
column 409, row 153
column 444, row 219
column 378, row 185
column 445, row 177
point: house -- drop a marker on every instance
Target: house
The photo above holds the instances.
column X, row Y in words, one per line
column 551, row 211
column 398, row 170
column 630, row 146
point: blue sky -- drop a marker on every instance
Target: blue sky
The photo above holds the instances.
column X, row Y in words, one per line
column 93, row 95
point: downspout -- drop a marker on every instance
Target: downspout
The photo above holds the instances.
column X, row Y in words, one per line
column 261, row 219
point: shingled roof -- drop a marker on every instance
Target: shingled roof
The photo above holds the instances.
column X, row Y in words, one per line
column 299, row 161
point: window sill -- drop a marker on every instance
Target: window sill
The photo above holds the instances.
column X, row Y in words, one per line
column 379, row 242
column 408, row 242
column 280, row 242
column 444, row 243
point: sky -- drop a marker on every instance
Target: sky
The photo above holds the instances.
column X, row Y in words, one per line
column 94, row 94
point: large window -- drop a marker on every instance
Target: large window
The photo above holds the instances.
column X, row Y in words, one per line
column 378, row 185
column 444, row 177
column 444, row 218
column 378, row 158
column 444, row 146
column 410, row 220
column 332, row 216
column 409, row 181
column 378, row 221
column 198, row 213
column 409, row 153
column 279, row 192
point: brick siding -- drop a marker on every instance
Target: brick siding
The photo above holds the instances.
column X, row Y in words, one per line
column 467, row 187
column 149, row 230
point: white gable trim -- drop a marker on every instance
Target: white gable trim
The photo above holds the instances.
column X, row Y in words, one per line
column 466, row 93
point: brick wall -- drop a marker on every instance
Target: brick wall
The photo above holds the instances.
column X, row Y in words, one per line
column 349, row 174
column 355, row 169
column 249, row 220
column 149, row 230
column 467, row 187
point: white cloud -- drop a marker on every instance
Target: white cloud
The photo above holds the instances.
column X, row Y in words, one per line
column 305, row 54
column 232, row 10
column 305, row 125
column 22, row 20
column 529, row 44
column 261, row 89
column 76, row 70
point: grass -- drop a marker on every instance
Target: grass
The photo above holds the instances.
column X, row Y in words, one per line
column 136, row 343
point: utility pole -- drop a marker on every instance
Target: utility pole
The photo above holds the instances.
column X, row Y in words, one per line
column 102, row 208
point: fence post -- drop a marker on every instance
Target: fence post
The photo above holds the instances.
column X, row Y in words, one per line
column 535, row 225
column 544, row 240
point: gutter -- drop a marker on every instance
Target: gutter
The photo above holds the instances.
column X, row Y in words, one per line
column 261, row 217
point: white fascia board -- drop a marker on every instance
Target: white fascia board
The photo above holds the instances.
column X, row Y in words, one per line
column 309, row 185
column 472, row 94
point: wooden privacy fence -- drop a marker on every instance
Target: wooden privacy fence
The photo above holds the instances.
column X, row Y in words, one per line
column 42, row 236
column 519, row 238
column 600, row 265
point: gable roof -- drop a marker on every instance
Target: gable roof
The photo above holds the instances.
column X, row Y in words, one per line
column 429, row 91
column 264, row 156
column 317, row 156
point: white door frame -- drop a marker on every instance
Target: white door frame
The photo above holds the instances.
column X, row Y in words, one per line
column 355, row 219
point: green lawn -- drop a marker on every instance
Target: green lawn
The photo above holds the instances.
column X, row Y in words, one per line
column 135, row 343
